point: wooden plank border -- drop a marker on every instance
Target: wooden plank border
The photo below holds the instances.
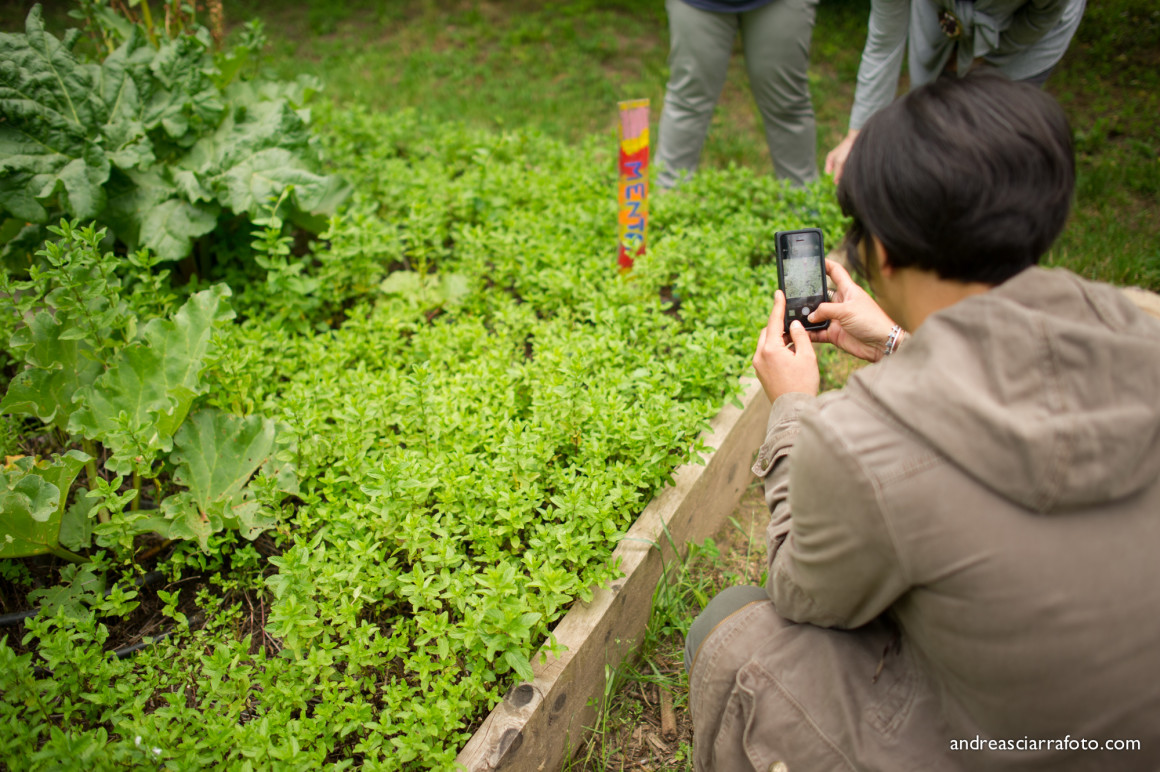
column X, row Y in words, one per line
column 539, row 723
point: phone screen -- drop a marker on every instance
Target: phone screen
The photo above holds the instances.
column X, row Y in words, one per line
column 803, row 279
column 803, row 272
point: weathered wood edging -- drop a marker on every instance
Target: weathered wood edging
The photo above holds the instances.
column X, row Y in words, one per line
column 539, row 723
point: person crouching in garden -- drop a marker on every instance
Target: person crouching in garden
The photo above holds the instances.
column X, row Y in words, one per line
column 963, row 541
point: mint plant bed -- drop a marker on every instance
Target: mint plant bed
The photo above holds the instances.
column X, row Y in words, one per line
column 475, row 407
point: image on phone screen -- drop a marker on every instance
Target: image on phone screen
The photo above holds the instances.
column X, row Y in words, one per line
column 803, row 278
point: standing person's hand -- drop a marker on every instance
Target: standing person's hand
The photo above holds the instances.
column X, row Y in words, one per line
column 836, row 158
column 858, row 325
column 785, row 363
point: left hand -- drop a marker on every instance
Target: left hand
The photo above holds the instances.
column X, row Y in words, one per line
column 785, row 364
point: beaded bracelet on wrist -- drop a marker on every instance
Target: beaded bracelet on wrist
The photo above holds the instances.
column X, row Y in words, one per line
column 892, row 340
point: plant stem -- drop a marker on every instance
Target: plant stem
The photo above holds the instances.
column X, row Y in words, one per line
column 91, row 471
column 148, row 19
column 202, row 259
column 137, row 490
column 68, row 555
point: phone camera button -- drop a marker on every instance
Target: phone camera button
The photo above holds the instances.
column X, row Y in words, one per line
column 806, row 311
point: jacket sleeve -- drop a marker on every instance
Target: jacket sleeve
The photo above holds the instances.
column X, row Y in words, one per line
column 1031, row 22
column 832, row 560
column 881, row 64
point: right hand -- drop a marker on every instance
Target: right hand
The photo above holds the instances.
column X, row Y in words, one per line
column 858, row 325
column 836, row 158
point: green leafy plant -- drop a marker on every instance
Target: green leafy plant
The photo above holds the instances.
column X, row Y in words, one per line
column 32, row 498
column 122, row 388
column 157, row 141
column 477, row 407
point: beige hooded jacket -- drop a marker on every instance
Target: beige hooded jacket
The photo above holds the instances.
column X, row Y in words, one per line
column 979, row 516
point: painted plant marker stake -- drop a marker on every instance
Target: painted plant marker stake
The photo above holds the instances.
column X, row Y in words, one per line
column 633, row 181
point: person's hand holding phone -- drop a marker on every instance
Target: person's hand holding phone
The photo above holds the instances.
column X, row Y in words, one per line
column 785, row 363
column 858, row 325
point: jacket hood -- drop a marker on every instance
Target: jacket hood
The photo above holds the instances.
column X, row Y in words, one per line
column 1045, row 389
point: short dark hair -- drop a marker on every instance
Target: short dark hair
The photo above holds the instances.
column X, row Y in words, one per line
column 971, row 178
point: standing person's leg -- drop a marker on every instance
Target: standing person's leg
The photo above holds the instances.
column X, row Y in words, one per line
column 777, row 57
column 700, row 45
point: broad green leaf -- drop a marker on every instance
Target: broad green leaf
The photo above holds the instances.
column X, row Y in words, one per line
column 79, row 186
column 216, row 455
column 189, row 184
column 32, row 500
column 80, row 588
column 120, row 94
column 256, row 153
column 401, row 283
column 48, row 156
column 59, row 370
column 153, row 381
column 76, row 524
column 519, row 663
column 254, row 180
column 184, row 99
column 24, row 168
column 144, row 211
column 187, row 339
column 43, row 78
column 180, row 518
column 438, row 290
column 266, row 122
column 170, row 228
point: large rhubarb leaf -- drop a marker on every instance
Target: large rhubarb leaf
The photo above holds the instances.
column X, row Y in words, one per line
column 183, row 99
column 170, row 228
column 59, row 369
column 33, row 495
column 256, row 153
column 138, row 404
column 147, row 142
column 143, row 211
column 123, row 76
column 48, row 158
column 255, row 180
column 216, row 455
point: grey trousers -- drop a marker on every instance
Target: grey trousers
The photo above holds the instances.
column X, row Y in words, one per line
column 776, row 40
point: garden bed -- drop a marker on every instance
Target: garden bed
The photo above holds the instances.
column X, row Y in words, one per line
column 375, row 466
column 539, row 723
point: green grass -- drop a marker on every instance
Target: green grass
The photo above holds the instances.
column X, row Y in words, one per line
column 1109, row 83
column 633, row 689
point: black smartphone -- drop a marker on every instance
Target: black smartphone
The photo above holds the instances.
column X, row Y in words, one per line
column 801, row 273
